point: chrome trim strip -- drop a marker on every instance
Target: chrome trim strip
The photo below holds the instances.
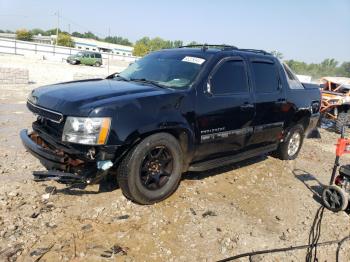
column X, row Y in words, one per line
column 226, row 134
column 242, row 131
column 48, row 110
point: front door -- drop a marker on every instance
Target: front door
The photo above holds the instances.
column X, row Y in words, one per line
column 225, row 110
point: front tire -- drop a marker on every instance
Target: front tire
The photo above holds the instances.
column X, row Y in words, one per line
column 152, row 170
column 290, row 147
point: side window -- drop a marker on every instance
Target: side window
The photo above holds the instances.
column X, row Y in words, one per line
column 289, row 73
column 292, row 79
column 98, row 55
column 266, row 77
column 229, row 78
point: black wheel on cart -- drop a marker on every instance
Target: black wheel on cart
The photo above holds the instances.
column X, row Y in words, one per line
column 334, row 198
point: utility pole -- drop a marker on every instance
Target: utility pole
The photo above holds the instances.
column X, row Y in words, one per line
column 109, row 34
column 58, row 25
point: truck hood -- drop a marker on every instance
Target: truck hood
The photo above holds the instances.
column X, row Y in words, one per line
column 78, row 98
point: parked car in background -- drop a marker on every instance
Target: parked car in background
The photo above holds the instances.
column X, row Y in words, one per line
column 85, row 58
column 176, row 110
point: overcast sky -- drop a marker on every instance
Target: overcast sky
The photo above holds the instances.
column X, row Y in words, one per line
column 303, row 30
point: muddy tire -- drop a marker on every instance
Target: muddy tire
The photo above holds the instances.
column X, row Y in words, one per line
column 151, row 171
column 343, row 119
column 290, row 147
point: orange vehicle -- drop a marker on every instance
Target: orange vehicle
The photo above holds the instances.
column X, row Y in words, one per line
column 336, row 100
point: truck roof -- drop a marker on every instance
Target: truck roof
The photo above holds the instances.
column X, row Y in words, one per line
column 204, row 50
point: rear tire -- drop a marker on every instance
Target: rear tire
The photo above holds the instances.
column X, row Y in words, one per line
column 290, row 147
column 140, row 184
column 343, row 119
column 98, row 64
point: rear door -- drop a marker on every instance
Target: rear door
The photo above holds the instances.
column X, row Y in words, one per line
column 270, row 101
column 225, row 109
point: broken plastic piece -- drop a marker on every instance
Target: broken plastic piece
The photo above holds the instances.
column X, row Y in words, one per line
column 104, row 165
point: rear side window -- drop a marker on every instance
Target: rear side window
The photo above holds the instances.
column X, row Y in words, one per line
column 98, row 55
column 266, row 77
column 229, row 78
column 289, row 73
column 292, row 79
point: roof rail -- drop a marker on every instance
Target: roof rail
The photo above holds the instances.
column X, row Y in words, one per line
column 255, row 51
column 206, row 46
column 227, row 47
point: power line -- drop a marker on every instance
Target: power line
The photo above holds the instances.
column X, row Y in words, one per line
column 82, row 26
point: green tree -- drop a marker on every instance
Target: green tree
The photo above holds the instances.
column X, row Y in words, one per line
column 177, row 43
column 85, row 35
column 77, row 34
column 345, row 69
column 118, row 40
column 52, row 32
column 65, row 39
column 140, row 49
column 277, row 54
column 328, row 67
column 37, row 31
column 193, row 43
column 24, row 34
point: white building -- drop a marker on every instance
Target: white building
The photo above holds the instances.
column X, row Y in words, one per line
column 99, row 46
column 81, row 43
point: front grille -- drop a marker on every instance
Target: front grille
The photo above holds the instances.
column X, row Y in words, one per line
column 45, row 113
column 48, row 127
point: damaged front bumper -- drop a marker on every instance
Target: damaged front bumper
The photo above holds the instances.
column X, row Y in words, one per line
column 61, row 166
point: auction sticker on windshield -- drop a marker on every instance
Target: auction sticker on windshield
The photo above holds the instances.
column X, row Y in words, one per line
column 194, row 60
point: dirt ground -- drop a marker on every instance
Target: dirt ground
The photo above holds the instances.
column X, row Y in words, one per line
column 259, row 204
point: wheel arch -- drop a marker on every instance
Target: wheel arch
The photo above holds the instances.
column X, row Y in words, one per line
column 182, row 134
column 301, row 117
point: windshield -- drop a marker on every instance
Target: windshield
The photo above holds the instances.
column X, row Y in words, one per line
column 166, row 69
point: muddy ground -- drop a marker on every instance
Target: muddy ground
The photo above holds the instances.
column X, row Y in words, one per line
column 258, row 204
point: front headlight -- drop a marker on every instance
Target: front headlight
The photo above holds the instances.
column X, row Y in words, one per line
column 86, row 130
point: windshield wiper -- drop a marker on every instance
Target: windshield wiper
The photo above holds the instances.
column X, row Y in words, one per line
column 144, row 80
column 122, row 78
column 117, row 76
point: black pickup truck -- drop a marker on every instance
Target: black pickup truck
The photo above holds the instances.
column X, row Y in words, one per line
column 186, row 109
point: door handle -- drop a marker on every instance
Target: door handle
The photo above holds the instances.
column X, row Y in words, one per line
column 281, row 101
column 247, row 105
